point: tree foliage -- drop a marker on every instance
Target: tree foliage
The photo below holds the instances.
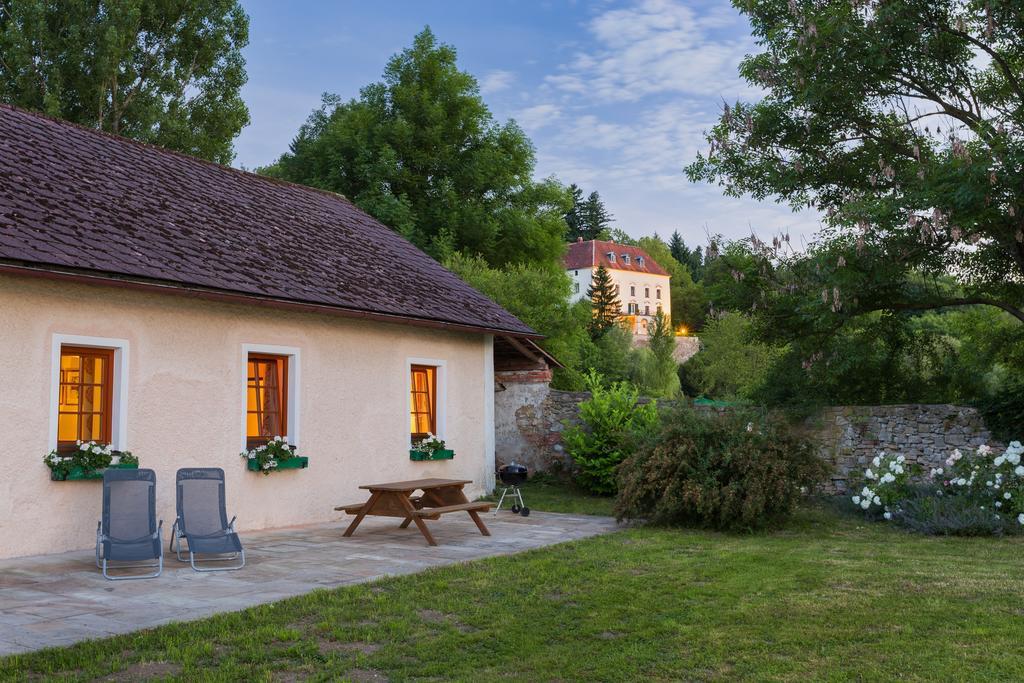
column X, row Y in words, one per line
column 657, row 370
column 604, row 300
column 168, row 72
column 421, row 152
column 586, row 219
column 902, row 122
column 693, row 259
column 537, row 295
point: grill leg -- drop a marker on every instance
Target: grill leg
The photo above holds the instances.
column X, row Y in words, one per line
column 498, row 507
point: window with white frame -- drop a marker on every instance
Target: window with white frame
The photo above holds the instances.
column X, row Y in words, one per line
column 271, row 394
column 88, row 391
column 427, row 398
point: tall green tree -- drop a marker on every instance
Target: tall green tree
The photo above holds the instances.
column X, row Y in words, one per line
column 421, row 152
column 657, row 369
column 903, row 124
column 595, row 216
column 573, row 217
column 676, row 245
column 604, row 300
column 168, row 72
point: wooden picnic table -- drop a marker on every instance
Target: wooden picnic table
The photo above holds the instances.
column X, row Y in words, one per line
column 395, row 499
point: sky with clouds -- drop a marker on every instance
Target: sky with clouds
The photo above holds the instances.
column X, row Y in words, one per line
column 616, row 96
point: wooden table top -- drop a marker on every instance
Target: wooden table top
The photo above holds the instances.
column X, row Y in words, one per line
column 414, row 484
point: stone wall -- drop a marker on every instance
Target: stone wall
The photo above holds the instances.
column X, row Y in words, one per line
column 530, row 418
column 850, row 436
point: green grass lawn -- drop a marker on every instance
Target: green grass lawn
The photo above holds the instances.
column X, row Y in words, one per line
column 547, row 493
column 828, row 597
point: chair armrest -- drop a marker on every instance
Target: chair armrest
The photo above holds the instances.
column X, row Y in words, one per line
column 231, row 524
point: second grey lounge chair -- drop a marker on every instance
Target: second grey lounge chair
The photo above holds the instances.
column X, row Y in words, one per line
column 203, row 519
column 128, row 532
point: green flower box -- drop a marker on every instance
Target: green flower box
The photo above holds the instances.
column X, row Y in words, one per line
column 80, row 474
column 299, row 462
column 431, row 455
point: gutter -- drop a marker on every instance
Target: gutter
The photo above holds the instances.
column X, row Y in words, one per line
column 210, row 294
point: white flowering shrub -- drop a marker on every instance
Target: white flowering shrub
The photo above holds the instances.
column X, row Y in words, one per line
column 429, row 444
column 271, row 453
column 974, row 493
column 885, row 484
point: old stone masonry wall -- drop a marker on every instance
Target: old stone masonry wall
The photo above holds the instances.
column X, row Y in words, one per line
column 530, row 419
column 850, row 436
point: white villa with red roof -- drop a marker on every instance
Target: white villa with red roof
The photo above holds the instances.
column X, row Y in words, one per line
column 643, row 284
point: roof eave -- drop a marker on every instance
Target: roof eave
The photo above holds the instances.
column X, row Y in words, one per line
column 209, row 294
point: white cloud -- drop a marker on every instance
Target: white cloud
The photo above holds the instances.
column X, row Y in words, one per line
column 630, row 113
column 496, row 81
column 659, row 46
column 537, row 117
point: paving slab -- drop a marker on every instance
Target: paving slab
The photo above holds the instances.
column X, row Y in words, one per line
column 55, row 600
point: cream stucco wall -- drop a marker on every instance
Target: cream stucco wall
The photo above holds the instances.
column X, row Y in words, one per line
column 185, row 399
column 639, row 289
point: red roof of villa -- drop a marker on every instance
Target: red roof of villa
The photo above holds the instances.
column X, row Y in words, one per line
column 78, row 203
column 594, row 253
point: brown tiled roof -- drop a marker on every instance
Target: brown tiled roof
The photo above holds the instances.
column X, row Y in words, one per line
column 74, row 200
column 594, row 253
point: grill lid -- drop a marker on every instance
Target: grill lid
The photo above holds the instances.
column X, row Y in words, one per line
column 513, row 468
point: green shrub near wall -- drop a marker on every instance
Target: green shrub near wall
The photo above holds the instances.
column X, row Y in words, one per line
column 726, row 471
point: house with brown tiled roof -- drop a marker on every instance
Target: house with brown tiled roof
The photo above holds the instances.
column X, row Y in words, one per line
column 643, row 284
column 189, row 312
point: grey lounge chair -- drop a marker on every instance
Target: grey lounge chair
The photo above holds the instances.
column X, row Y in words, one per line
column 128, row 532
column 203, row 519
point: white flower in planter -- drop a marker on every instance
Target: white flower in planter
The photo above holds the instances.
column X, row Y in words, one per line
column 856, row 500
column 877, row 461
column 877, row 500
column 865, row 503
column 868, row 474
column 1019, row 470
column 984, row 450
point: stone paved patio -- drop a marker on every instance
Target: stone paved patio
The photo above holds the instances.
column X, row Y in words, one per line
column 62, row 599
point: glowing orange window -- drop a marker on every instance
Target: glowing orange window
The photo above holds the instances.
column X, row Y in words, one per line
column 85, row 396
column 266, row 398
column 423, row 401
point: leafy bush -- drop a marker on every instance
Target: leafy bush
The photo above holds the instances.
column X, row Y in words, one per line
column 718, row 471
column 613, row 423
column 925, row 512
column 1004, row 409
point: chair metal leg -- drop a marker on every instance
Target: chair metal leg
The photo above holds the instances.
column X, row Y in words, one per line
column 192, row 561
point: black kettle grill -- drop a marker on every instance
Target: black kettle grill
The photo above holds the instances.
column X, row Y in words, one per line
column 512, row 475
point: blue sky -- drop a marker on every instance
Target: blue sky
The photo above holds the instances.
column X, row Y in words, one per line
column 614, row 95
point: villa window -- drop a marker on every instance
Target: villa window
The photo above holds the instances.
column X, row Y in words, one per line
column 423, row 400
column 266, row 398
column 611, row 257
column 640, row 261
column 632, row 290
column 85, row 396
column 576, row 286
column 647, row 292
column 647, row 309
column 657, row 294
column 625, row 259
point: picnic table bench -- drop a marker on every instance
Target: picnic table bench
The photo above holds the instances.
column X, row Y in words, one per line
column 396, row 499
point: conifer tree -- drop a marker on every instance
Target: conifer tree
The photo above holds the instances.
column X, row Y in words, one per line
column 604, row 297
